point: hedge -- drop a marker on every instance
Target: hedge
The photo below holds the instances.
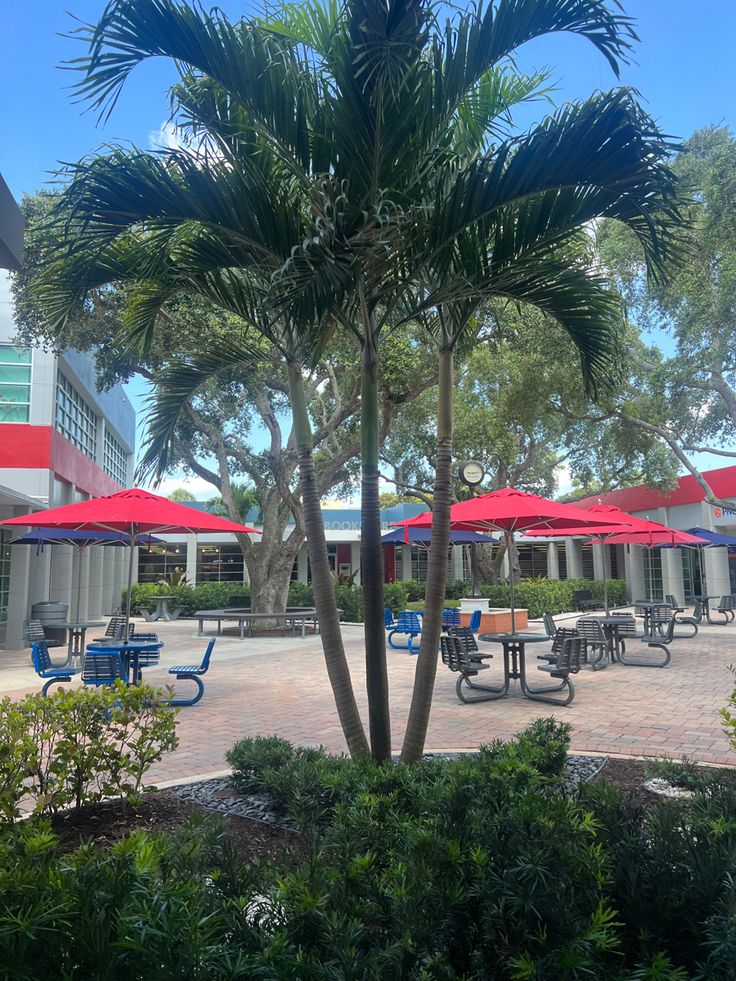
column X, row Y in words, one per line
column 537, row 595
column 553, row 595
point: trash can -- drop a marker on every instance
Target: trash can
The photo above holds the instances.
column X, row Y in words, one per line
column 50, row 614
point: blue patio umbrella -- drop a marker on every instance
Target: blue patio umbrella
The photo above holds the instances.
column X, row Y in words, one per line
column 79, row 540
column 423, row 536
column 714, row 539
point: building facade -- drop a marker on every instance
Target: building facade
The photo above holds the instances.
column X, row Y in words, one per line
column 61, row 441
column 652, row 574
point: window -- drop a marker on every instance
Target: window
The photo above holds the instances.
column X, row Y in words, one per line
column 15, row 383
column 613, row 564
column 562, row 561
column 115, row 460
column 159, row 561
column 532, row 560
column 653, row 573
column 219, row 563
column 419, row 563
column 587, row 556
column 5, row 537
column 75, row 419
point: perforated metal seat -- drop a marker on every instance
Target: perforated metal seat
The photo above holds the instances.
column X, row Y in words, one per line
column 596, row 643
column 408, row 625
column 193, row 672
column 51, row 673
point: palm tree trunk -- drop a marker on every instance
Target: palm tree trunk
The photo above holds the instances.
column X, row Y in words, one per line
column 324, row 593
column 371, row 559
column 421, row 700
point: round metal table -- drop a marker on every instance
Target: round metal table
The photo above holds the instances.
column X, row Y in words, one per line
column 514, row 665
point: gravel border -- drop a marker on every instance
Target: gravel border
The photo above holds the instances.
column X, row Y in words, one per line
column 218, row 793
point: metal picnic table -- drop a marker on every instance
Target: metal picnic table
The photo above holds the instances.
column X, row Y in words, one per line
column 77, row 633
column 130, row 650
column 648, row 606
column 514, row 664
column 611, row 624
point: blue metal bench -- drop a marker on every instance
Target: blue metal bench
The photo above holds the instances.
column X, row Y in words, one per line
column 407, row 623
column 450, row 617
column 192, row 672
column 45, row 669
column 388, row 619
column 103, row 667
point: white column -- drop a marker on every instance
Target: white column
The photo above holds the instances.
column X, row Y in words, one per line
column 636, row 586
column 302, row 563
column 574, row 553
column 108, row 579
column 456, row 561
column 62, row 576
column 673, row 581
column 95, row 587
column 718, row 581
column 192, row 559
column 601, row 561
column 80, row 588
column 553, row 563
column 18, row 600
column 406, row 562
column 355, row 560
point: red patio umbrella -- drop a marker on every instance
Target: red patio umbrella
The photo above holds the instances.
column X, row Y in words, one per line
column 657, row 535
column 507, row 510
column 133, row 511
column 612, row 521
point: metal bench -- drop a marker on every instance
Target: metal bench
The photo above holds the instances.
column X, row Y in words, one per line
column 103, row 667
column 583, row 599
column 726, row 607
column 49, row 672
column 567, row 662
column 33, row 631
column 652, row 642
column 193, row 672
column 407, row 624
column 450, row 617
column 670, row 598
column 457, row 659
column 691, row 621
column 595, row 641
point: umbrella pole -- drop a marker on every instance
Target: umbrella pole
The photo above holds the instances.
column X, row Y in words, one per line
column 133, row 539
column 79, row 581
column 605, row 577
column 510, row 559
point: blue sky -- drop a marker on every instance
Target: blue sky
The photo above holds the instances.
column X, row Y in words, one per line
column 684, row 70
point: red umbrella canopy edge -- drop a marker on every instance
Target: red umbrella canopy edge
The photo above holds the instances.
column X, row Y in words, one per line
column 509, row 510
column 612, row 520
column 133, row 508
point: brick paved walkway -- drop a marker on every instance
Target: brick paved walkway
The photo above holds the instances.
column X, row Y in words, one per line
column 279, row 685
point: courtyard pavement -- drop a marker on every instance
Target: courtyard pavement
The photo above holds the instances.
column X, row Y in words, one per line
column 279, row 685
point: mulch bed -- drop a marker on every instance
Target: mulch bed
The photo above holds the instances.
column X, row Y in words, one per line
column 163, row 811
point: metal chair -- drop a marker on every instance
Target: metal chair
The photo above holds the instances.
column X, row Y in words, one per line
column 670, row 598
column 475, row 621
column 450, row 617
column 691, row 621
column 653, row 642
column 33, row 632
column 115, row 630
column 467, row 639
column 566, row 663
column 452, row 650
column 549, row 625
column 45, row 669
column 407, row 623
column 103, row 667
column 193, row 672
column 595, row 641
column 726, row 608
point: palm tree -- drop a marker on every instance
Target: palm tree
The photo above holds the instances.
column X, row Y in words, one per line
column 354, row 150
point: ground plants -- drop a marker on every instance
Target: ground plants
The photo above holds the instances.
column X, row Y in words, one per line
column 78, row 746
column 452, row 870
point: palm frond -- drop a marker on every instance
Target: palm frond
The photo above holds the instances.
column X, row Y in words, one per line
column 173, row 387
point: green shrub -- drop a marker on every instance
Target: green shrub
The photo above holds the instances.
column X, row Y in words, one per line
column 553, row 595
column 76, row 746
column 300, row 594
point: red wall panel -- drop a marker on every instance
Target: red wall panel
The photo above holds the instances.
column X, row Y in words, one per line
column 71, row 464
column 23, row 445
